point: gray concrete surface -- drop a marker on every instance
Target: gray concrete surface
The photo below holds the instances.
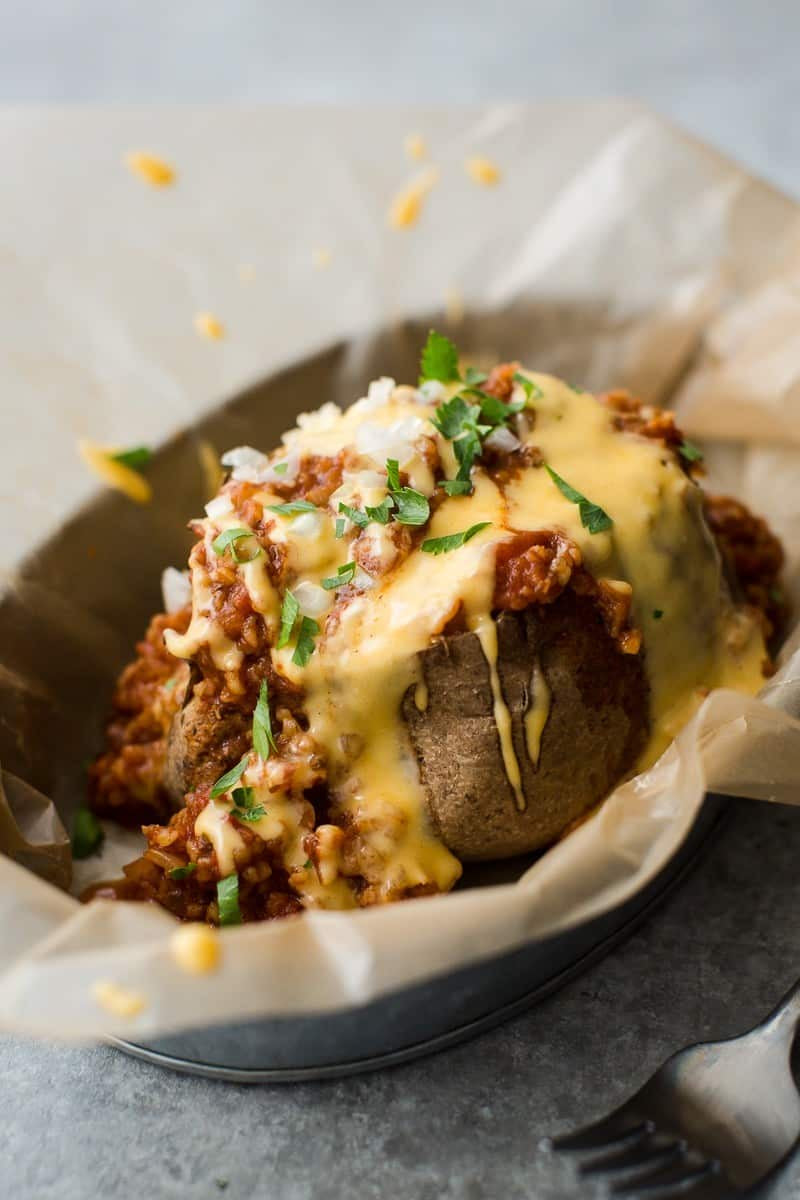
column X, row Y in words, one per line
column 79, row 1123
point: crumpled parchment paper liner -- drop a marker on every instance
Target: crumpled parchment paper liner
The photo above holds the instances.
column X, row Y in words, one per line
column 615, row 252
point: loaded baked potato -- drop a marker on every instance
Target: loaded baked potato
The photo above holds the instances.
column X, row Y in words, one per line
column 438, row 626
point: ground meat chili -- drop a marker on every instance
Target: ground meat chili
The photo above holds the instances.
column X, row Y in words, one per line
column 127, row 782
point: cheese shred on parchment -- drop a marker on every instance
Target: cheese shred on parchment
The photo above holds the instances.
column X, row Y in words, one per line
column 482, row 170
column 115, row 474
column 151, row 169
column 119, row 1001
column 407, row 205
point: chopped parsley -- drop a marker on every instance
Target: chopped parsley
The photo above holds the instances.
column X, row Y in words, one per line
column 339, row 530
column 253, row 813
column 529, row 387
column 182, row 872
column 228, row 539
column 263, row 741
column 658, row 614
column 245, row 808
column 474, row 378
column 412, row 507
column 593, row 518
column 290, row 611
column 452, row 541
column 135, row 458
column 305, row 641
column 355, row 515
column 293, row 507
column 343, row 576
column 243, row 797
column 456, row 487
column 689, row 451
column 87, row 834
column 439, row 359
column 228, row 900
column 496, row 412
column 226, row 781
column 280, row 468
column 381, row 512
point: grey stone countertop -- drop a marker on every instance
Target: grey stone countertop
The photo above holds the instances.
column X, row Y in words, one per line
column 466, row 1123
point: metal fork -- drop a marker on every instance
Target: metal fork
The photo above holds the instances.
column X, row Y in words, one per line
column 714, row 1120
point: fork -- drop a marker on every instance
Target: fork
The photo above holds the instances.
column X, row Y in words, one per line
column 712, row 1122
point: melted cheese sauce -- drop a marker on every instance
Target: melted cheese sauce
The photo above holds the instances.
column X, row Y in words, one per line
column 355, row 681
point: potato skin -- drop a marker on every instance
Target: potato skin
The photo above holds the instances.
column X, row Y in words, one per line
column 596, row 727
column 204, row 740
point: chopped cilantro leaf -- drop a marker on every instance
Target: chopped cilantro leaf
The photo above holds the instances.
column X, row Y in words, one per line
column 243, row 797
column 87, row 834
column 474, row 378
column 290, row 611
column 339, row 530
column 658, row 614
column 226, row 781
column 528, row 386
column 343, row 575
column 593, row 518
column 228, row 900
column 439, row 359
column 495, row 412
column 412, row 507
column 228, row 539
column 135, row 458
column 689, row 451
column 393, row 474
column 380, row 512
column 263, row 741
column 182, row 872
column 355, row 515
column 253, row 812
column 305, row 641
column 452, row 541
column 294, row 506
column 454, row 416
column 456, row 487
column 280, row 468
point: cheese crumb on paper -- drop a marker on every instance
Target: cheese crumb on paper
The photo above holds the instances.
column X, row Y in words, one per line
column 119, row 1001
column 207, row 325
column 115, row 474
column 482, row 170
column 415, row 147
column 407, row 205
column 196, row 948
column 151, row 169
column 321, row 258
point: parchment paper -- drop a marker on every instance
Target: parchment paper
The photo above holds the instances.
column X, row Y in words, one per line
column 614, row 251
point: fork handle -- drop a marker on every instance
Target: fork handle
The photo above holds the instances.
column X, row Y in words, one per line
column 784, row 1019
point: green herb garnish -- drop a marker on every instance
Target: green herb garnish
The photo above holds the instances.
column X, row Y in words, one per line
column 689, row 451
column 280, row 468
column 182, row 872
column 305, row 641
column 226, row 781
column 496, row 412
column 412, row 507
column 339, row 529
column 344, row 575
column 452, row 541
column 658, row 614
column 474, row 378
column 87, row 834
column 243, row 797
column 228, row 901
column 293, row 506
column 593, row 518
column 529, row 387
column 355, row 515
column 254, row 813
column 290, row 611
column 227, row 541
column 170, row 684
column 381, row 512
column 135, row 458
column 456, row 487
column 263, row 741
column 393, row 474
column 439, row 359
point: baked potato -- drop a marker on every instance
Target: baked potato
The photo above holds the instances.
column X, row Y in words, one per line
column 438, row 626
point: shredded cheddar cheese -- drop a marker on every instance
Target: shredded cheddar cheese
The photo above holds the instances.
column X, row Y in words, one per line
column 151, row 169
column 415, row 147
column 207, row 325
column 482, row 170
column 115, row 474
column 195, row 948
column 119, row 1001
column 406, row 207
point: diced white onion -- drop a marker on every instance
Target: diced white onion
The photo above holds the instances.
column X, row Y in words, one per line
column 433, row 391
column 503, row 439
column 379, row 392
column 362, row 580
column 176, row 589
column 322, row 418
column 314, row 600
column 380, row 442
column 307, row 525
column 244, row 456
column 251, row 466
column 220, row 506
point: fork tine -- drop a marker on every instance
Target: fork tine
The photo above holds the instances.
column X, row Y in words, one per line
column 644, row 1153
column 621, row 1126
column 674, row 1180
